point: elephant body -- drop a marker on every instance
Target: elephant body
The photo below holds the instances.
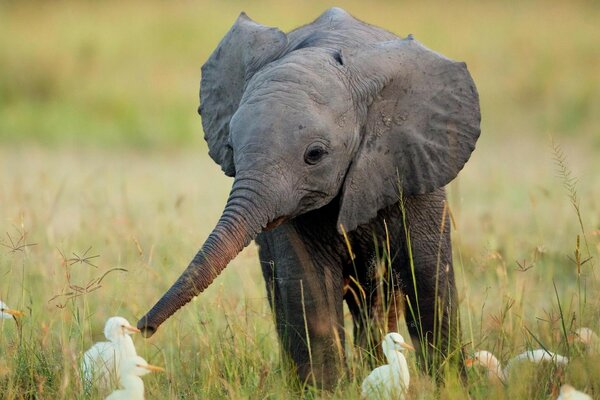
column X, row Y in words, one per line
column 341, row 137
column 309, row 270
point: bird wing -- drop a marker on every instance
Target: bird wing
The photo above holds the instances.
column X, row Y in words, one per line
column 382, row 383
column 576, row 395
column 536, row 356
column 540, row 355
column 99, row 364
column 117, row 395
column 126, row 347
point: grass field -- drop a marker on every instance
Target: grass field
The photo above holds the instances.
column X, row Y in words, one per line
column 101, row 155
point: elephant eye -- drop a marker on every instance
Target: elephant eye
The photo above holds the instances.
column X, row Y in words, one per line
column 314, row 153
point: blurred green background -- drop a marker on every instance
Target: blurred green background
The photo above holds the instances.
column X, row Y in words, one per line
column 101, row 148
column 126, row 73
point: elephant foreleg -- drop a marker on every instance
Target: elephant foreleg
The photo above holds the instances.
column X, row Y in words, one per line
column 306, row 298
column 374, row 301
column 431, row 309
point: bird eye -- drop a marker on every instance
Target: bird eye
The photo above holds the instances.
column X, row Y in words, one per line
column 314, row 153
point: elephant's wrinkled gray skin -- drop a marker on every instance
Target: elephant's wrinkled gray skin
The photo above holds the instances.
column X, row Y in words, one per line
column 323, row 128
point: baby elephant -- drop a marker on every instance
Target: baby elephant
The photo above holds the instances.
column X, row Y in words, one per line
column 341, row 137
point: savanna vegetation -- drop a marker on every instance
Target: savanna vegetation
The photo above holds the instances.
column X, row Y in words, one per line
column 106, row 192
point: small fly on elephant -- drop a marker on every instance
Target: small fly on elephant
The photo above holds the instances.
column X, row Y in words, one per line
column 340, row 137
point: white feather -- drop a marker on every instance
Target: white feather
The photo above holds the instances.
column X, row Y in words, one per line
column 568, row 392
column 389, row 381
column 6, row 312
column 495, row 371
column 588, row 338
column 102, row 361
column 130, row 372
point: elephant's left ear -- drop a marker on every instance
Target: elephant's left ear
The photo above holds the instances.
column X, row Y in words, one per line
column 420, row 124
column 245, row 49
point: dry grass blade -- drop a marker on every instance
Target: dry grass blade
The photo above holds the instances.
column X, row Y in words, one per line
column 570, row 184
column 83, row 259
column 19, row 245
column 72, row 290
column 524, row 266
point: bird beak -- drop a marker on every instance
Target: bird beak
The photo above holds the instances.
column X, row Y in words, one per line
column 153, row 368
column 132, row 329
column 14, row 313
column 407, row 346
column 469, row 362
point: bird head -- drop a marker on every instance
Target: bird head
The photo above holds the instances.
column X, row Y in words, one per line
column 394, row 342
column 137, row 366
column 6, row 312
column 484, row 359
column 585, row 336
column 117, row 327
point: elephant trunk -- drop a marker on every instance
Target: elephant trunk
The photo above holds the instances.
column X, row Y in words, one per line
column 241, row 221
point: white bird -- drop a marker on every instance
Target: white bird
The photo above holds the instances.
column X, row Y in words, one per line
column 496, row 372
column 6, row 312
column 488, row 361
column 588, row 338
column 568, row 392
column 130, row 371
column 102, row 361
column 389, row 381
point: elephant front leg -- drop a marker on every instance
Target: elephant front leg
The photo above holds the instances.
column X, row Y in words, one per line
column 310, row 331
column 375, row 303
column 431, row 308
column 431, row 313
column 306, row 300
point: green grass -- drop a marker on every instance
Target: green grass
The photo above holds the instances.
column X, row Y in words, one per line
column 149, row 212
column 101, row 149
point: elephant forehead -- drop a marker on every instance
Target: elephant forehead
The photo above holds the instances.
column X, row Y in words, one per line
column 273, row 117
column 308, row 76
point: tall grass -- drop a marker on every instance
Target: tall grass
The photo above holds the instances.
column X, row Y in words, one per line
column 97, row 101
column 223, row 344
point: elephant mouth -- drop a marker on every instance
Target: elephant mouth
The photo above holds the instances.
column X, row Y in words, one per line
column 274, row 224
column 147, row 330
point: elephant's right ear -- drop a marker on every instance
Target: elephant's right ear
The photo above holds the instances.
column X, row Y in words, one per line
column 245, row 49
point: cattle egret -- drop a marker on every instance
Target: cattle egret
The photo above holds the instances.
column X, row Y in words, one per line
column 102, row 361
column 488, row 361
column 6, row 312
column 588, row 338
column 568, row 392
column 389, row 381
column 494, row 368
column 130, row 371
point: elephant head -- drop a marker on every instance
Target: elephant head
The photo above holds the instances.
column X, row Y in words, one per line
column 335, row 111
